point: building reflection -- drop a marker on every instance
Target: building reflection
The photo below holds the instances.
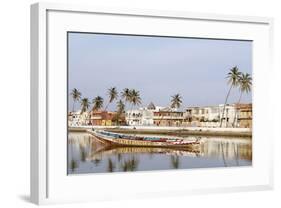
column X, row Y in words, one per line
column 83, row 148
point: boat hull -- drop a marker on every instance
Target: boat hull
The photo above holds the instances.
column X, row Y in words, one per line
column 138, row 143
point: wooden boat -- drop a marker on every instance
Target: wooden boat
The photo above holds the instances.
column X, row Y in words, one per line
column 144, row 141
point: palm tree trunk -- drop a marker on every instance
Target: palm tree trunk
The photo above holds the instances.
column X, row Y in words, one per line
column 106, row 106
column 73, row 106
column 223, row 157
column 225, row 104
column 130, row 114
column 131, row 111
column 236, row 109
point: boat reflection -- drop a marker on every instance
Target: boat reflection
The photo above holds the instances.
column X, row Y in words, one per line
column 88, row 155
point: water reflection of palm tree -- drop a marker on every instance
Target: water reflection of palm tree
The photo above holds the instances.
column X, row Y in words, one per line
column 150, row 154
column 83, row 153
column 73, row 165
column 119, row 157
column 130, row 164
column 175, row 160
column 110, row 165
column 96, row 161
column 236, row 153
column 223, row 157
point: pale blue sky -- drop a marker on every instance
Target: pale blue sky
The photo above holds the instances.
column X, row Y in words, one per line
column 158, row 67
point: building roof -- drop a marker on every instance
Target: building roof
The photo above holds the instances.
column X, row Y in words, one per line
column 151, row 106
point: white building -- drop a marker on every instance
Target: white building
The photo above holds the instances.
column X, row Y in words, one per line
column 78, row 119
column 210, row 116
column 229, row 115
column 141, row 116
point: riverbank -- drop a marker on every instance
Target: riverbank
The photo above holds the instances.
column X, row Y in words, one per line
column 173, row 131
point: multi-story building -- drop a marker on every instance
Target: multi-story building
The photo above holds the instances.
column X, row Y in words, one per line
column 78, row 119
column 210, row 116
column 244, row 115
column 228, row 118
column 103, row 118
column 169, row 117
column 74, row 118
column 141, row 116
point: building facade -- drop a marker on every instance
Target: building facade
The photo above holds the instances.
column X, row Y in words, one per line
column 141, row 116
column 245, row 115
column 210, row 116
column 78, row 119
column 235, row 115
column 169, row 117
column 103, row 118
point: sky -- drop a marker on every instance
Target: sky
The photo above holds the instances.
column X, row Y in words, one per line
column 158, row 67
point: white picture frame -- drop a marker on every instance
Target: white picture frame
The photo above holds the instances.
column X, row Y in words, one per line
column 49, row 181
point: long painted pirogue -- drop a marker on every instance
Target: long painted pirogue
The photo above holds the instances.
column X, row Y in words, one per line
column 144, row 141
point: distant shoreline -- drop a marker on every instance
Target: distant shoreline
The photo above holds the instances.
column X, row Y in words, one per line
column 222, row 132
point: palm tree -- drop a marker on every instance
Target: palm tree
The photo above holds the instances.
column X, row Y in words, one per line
column 113, row 94
column 176, row 101
column 85, row 104
column 76, row 96
column 97, row 103
column 126, row 95
column 120, row 107
column 245, row 85
column 120, row 110
column 135, row 98
column 233, row 81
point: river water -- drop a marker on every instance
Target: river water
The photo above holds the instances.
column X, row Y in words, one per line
column 87, row 155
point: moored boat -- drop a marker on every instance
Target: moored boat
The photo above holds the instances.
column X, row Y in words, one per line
column 145, row 141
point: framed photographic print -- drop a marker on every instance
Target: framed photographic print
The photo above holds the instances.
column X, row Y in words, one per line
column 148, row 103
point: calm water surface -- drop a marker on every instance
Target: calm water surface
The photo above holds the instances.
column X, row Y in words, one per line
column 87, row 155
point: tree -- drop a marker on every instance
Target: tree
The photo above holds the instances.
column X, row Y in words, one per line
column 85, row 104
column 97, row 103
column 245, row 85
column 176, row 101
column 135, row 98
column 113, row 94
column 120, row 110
column 233, row 80
column 76, row 96
column 126, row 95
column 131, row 96
column 120, row 107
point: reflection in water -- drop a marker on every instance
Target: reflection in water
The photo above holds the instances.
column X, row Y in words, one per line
column 175, row 161
column 111, row 166
column 130, row 164
column 87, row 155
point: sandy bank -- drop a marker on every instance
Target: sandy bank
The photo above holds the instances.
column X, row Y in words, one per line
column 176, row 131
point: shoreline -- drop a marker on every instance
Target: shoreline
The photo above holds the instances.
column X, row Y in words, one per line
column 193, row 131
